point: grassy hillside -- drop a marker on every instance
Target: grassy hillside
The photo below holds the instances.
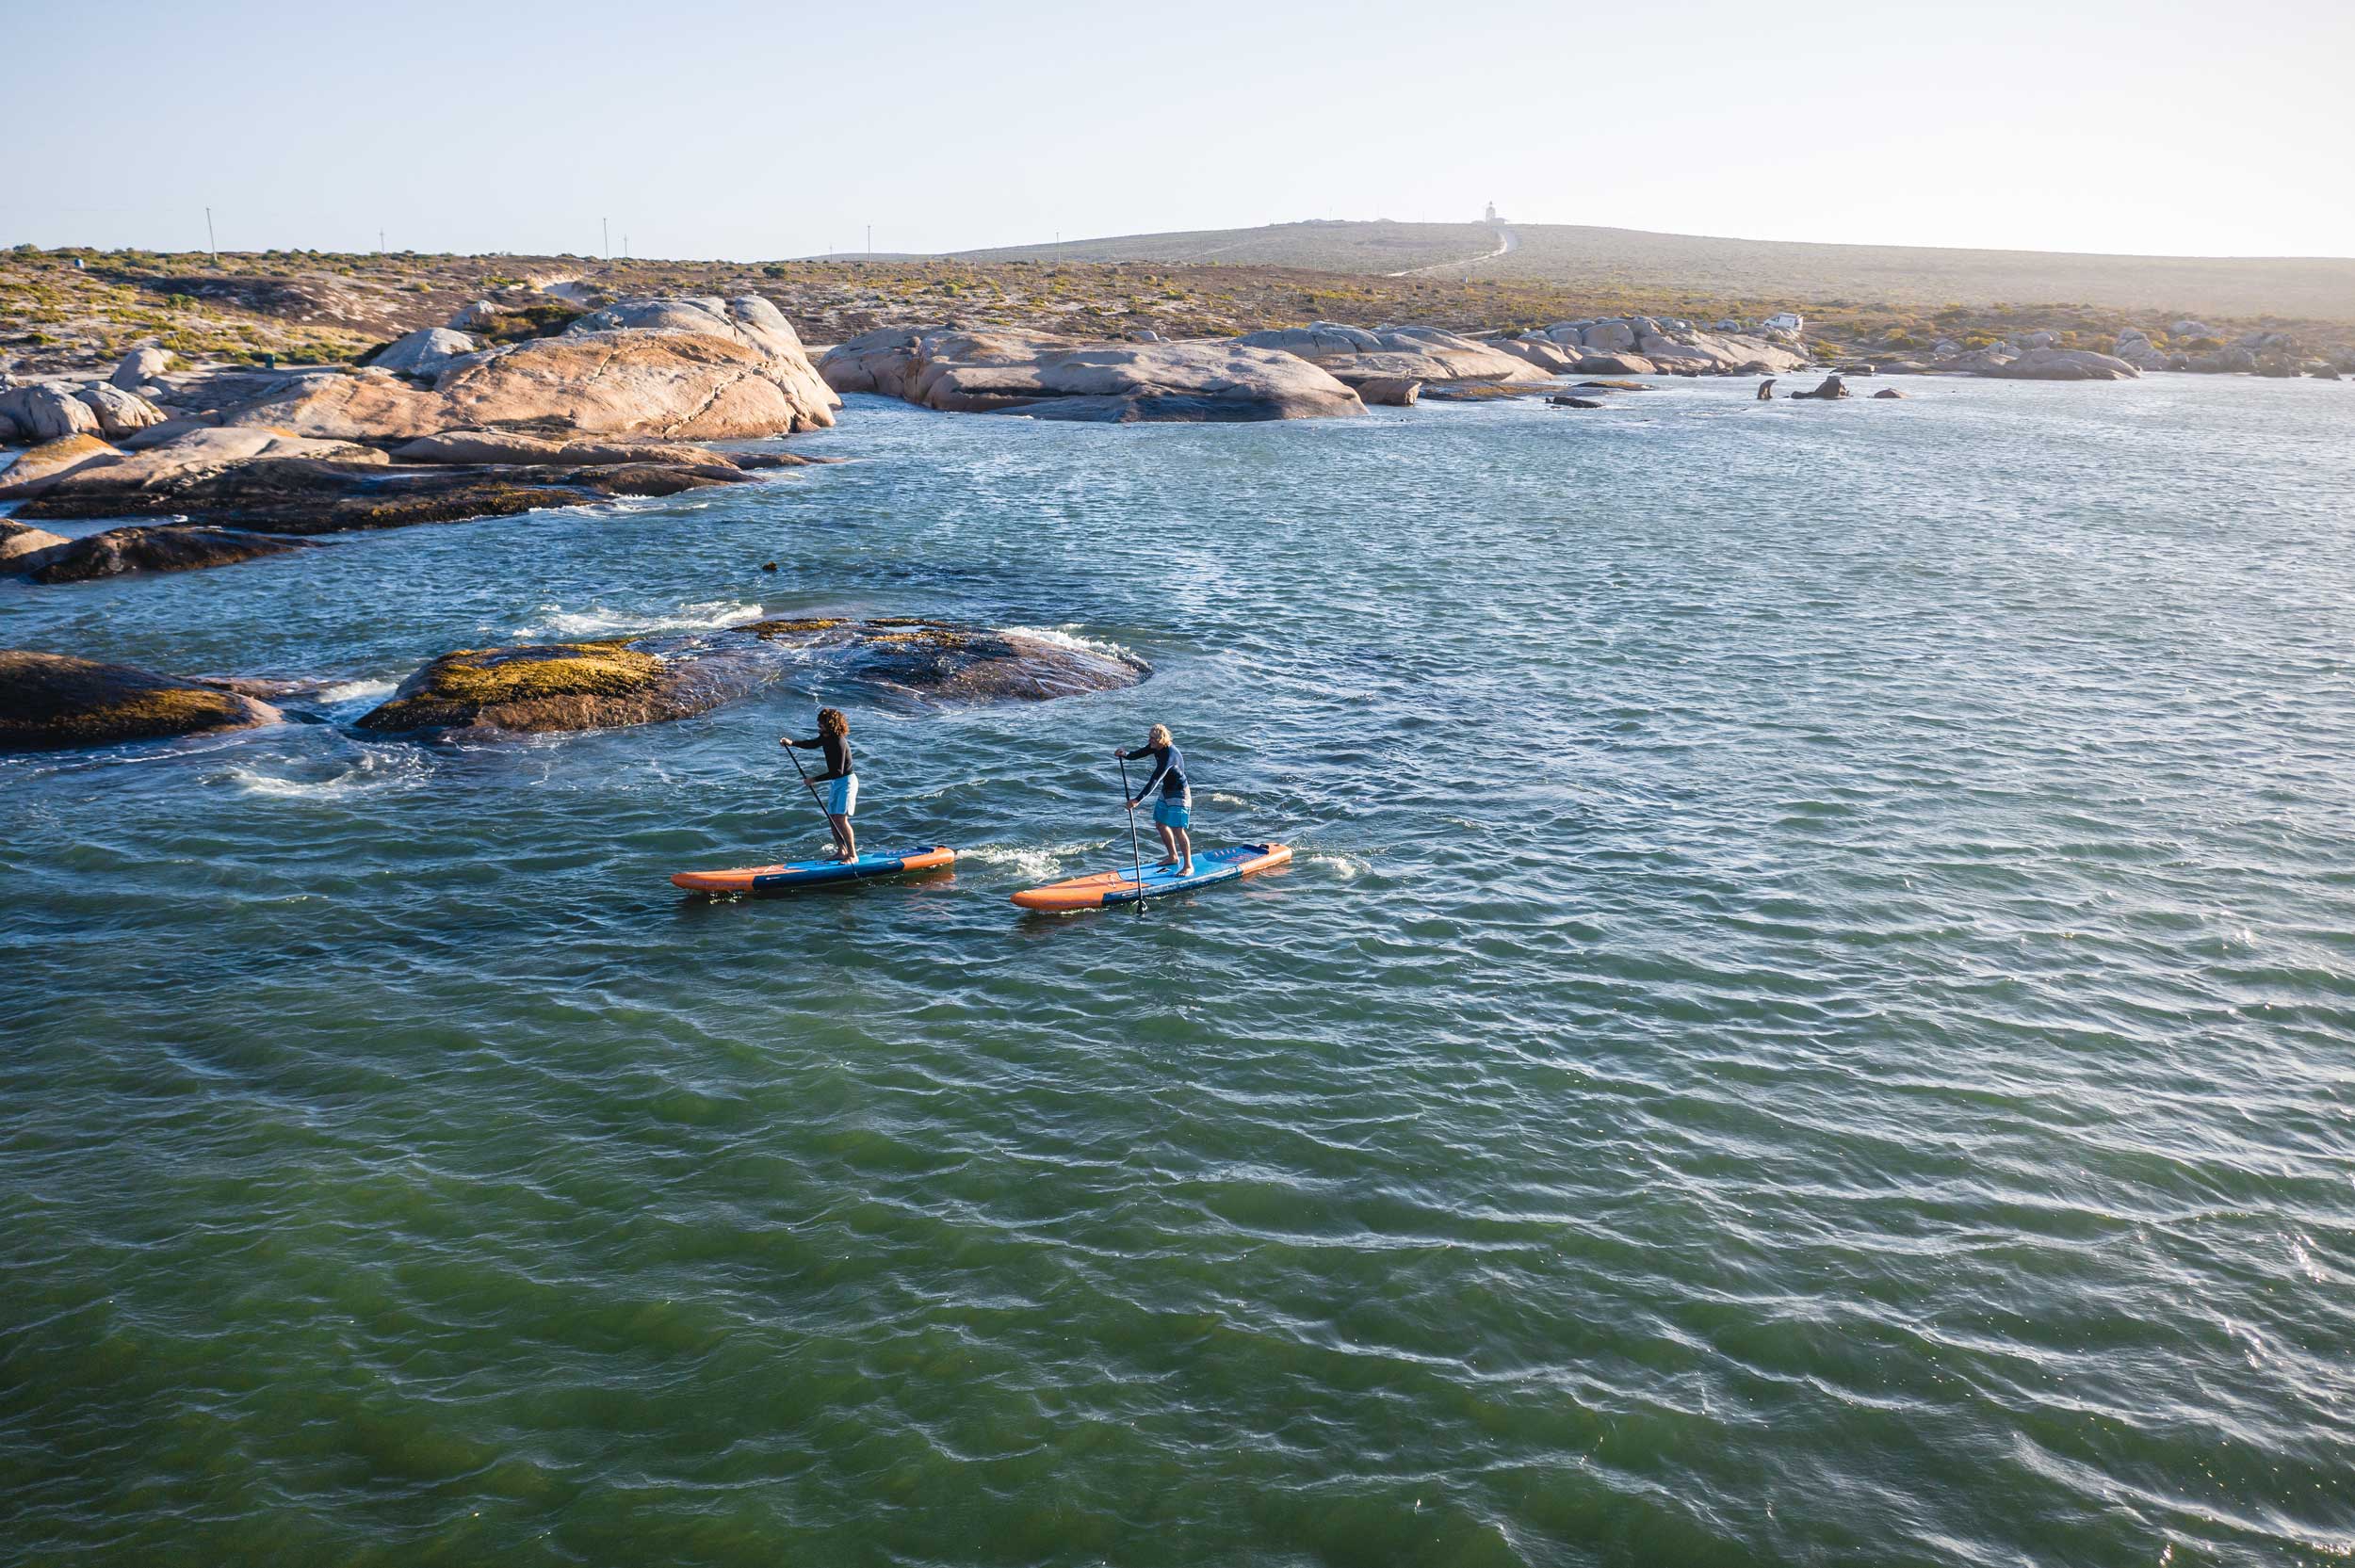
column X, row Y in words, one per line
column 1633, row 261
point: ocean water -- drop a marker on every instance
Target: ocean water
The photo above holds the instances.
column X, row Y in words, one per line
column 1812, row 1021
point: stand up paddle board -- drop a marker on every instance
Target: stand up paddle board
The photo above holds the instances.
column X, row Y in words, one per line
column 810, row 873
column 1123, row 887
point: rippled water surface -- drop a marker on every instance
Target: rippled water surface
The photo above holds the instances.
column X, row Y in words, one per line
column 1814, row 1020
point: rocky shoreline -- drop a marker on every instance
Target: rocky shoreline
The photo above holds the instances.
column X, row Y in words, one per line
column 526, row 403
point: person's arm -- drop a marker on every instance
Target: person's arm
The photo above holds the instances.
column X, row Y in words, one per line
column 818, row 743
column 1161, row 756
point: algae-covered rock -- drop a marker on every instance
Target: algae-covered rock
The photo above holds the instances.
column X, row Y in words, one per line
column 943, row 661
column 538, row 687
column 51, row 702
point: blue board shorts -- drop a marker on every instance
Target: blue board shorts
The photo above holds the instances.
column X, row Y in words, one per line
column 1174, row 811
column 841, row 796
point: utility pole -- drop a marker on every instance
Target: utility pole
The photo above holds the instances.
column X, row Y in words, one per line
column 606, row 225
column 209, row 245
column 625, row 245
column 871, row 240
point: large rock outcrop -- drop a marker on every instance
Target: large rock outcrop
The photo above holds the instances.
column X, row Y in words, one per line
column 1050, row 376
column 1438, row 359
column 120, row 413
column 2047, row 364
column 44, row 411
column 50, row 701
column 39, row 470
column 147, row 481
column 256, row 480
column 662, row 369
column 1631, row 345
column 2135, row 346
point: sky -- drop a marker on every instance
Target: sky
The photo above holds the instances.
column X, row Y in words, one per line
column 751, row 131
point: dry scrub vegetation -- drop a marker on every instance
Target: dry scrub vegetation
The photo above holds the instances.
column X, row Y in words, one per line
column 82, row 309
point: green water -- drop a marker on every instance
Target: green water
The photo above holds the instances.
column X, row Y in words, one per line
column 1814, row 1020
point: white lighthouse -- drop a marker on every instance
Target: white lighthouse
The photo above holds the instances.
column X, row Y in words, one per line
column 1492, row 212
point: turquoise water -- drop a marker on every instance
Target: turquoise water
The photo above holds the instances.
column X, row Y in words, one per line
column 1814, row 1020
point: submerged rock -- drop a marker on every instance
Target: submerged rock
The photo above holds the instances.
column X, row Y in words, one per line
column 50, row 701
column 1050, row 376
column 1576, row 402
column 119, row 551
column 538, row 687
column 1889, row 392
column 941, row 659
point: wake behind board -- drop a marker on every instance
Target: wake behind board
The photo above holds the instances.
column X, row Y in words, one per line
column 811, row 873
column 1123, row 887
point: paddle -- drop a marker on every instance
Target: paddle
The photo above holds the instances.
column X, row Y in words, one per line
column 794, row 753
column 1136, row 856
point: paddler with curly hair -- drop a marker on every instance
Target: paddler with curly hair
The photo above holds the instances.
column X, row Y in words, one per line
column 1173, row 813
column 836, row 788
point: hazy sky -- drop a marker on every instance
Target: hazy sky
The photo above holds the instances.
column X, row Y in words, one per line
column 755, row 130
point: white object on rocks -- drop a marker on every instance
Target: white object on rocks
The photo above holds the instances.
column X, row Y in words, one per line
column 424, row 353
column 139, row 368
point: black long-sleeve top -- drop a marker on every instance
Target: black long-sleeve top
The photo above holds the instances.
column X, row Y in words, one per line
column 837, row 749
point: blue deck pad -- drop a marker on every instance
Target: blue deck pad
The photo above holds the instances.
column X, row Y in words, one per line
column 805, row 873
column 1219, row 866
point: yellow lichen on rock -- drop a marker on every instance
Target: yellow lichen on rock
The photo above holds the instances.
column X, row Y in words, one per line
column 488, row 676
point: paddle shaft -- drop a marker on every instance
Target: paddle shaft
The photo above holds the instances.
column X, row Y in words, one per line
column 1136, row 855
column 794, row 753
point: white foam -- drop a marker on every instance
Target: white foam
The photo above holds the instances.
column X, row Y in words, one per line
column 1347, row 867
column 1031, row 862
column 353, row 691
column 1063, row 637
column 366, row 773
column 597, row 621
